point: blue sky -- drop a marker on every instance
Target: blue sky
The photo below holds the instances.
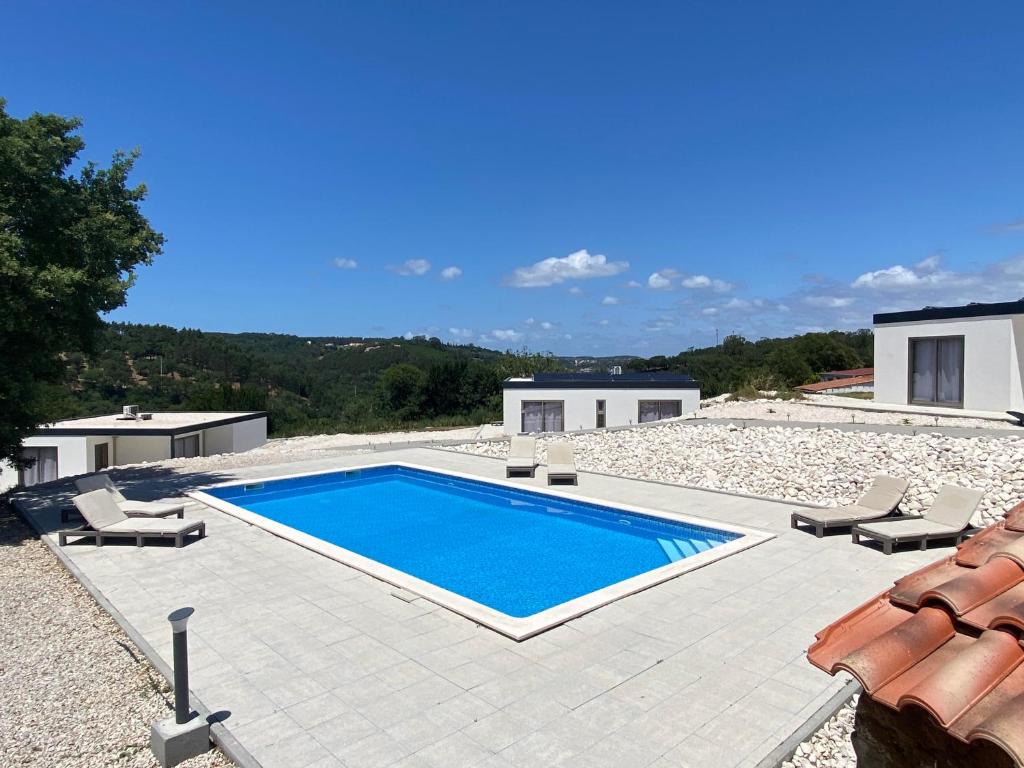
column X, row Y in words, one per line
column 574, row 177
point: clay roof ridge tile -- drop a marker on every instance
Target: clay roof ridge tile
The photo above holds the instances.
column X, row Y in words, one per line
column 976, row 586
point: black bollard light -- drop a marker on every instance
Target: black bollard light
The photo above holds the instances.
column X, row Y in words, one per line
column 179, row 621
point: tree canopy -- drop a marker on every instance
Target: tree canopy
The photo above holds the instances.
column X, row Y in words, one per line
column 69, row 246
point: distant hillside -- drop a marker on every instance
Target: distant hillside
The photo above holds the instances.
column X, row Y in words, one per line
column 738, row 364
column 308, row 384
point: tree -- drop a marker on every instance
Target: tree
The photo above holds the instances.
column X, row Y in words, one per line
column 69, row 247
column 401, row 391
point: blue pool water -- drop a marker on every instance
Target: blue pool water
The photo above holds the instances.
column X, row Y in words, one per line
column 516, row 551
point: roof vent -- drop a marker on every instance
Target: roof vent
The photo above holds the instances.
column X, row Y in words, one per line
column 145, row 416
column 129, row 412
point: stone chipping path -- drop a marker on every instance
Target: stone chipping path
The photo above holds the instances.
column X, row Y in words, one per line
column 74, row 691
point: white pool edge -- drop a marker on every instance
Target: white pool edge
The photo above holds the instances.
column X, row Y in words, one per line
column 516, row 628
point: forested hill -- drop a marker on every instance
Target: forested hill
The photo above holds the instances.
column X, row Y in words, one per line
column 342, row 384
column 308, row 384
column 739, row 365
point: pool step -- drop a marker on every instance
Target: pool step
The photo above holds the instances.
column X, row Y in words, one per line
column 677, row 549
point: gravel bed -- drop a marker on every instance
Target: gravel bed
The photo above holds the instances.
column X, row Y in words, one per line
column 75, row 691
column 830, row 745
column 825, row 466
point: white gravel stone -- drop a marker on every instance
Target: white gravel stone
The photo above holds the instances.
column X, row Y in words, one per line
column 821, row 466
column 74, row 691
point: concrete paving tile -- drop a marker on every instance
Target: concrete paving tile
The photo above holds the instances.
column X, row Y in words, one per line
column 536, row 750
column 318, row 709
column 298, row 751
column 454, row 751
column 339, row 732
column 498, row 730
column 376, row 751
column 697, row 752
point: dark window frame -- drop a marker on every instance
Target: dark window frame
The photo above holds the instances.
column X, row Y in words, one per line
column 522, row 414
column 600, row 414
column 640, row 404
column 910, row 370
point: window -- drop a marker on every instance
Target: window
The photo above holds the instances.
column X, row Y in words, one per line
column 542, row 416
column 937, row 371
column 655, row 410
column 101, row 456
column 186, row 447
column 600, row 414
column 43, row 468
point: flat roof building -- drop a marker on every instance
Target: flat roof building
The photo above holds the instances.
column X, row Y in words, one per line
column 969, row 356
column 559, row 402
column 80, row 446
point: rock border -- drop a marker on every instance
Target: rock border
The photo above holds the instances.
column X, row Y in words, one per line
column 219, row 734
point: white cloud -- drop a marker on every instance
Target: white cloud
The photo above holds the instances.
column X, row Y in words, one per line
column 605, row 321
column 576, row 291
column 579, row 265
column 610, row 301
column 709, row 311
column 346, row 263
column 547, row 326
column 506, row 334
column 417, row 267
column 828, row 302
column 658, row 281
column 461, row 333
column 634, row 284
column 450, row 273
column 737, row 303
column 703, row 281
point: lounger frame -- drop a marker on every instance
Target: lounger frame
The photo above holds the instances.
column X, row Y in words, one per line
column 66, row 513
column 820, row 526
column 888, row 541
column 85, row 532
column 523, row 471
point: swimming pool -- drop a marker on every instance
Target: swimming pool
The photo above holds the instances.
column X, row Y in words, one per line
column 514, row 559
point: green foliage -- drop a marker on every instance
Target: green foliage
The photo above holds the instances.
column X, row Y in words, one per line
column 737, row 362
column 69, row 247
column 307, row 385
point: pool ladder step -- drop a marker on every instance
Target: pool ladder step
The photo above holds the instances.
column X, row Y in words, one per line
column 677, row 549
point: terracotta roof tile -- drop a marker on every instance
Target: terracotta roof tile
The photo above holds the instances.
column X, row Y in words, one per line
column 851, row 381
column 946, row 639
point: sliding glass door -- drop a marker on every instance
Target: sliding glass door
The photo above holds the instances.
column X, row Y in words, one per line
column 542, row 416
column 43, row 468
column 937, row 371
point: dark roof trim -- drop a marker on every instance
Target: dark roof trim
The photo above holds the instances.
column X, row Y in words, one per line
column 951, row 313
column 686, row 383
column 146, row 431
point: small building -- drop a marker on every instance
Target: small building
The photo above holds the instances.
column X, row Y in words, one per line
column 839, row 385
column 559, row 402
column 968, row 357
column 80, row 446
column 849, row 373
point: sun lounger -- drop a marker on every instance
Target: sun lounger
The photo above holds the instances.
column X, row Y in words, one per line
column 878, row 501
column 522, row 456
column 561, row 464
column 128, row 506
column 106, row 520
column 949, row 517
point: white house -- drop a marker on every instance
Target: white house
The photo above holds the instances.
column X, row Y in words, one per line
column 81, row 446
column 967, row 357
column 558, row 402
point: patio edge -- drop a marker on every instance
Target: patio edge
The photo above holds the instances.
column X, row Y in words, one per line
column 219, row 734
column 824, row 713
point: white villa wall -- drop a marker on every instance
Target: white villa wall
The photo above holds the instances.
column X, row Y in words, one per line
column 993, row 356
column 73, row 458
column 134, row 449
column 218, row 440
column 248, row 434
column 580, row 405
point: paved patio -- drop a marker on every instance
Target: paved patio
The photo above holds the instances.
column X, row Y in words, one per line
column 321, row 665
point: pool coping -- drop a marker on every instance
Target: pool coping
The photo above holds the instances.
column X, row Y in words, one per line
column 513, row 627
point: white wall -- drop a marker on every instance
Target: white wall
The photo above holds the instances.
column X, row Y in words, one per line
column 134, row 449
column 248, row 434
column 580, row 405
column 73, row 458
column 993, row 355
column 218, row 439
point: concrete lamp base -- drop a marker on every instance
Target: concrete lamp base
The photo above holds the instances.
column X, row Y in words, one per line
column 173, row 743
